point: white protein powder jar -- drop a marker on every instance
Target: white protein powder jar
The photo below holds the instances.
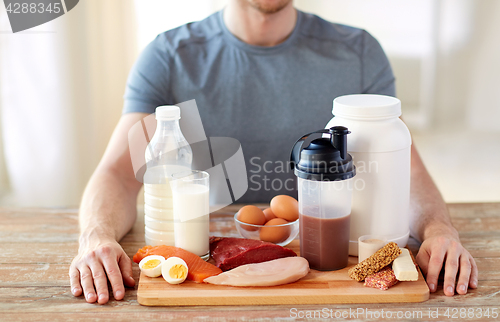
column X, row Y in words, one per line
column 380, row 145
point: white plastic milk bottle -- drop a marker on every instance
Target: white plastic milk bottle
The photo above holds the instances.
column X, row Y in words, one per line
column 380, row 145
column 167, row 153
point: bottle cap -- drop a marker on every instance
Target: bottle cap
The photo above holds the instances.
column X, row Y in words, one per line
column 366, row 106
column 168, row 112
column 324, row 159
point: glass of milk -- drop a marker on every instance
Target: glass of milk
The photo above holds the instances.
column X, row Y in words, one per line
column 190, row 195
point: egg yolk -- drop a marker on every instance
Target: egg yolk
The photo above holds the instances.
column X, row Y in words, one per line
column 152, row 263
column 177, row 271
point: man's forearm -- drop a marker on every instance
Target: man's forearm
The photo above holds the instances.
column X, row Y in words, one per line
column 107, row 213
column 430, row 215
column 108, row 207
column 441, row 247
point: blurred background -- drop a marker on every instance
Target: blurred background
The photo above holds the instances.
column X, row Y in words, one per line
column 61, row 87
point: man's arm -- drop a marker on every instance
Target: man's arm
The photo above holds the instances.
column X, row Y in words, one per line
column 107, row 213
column 440, row 241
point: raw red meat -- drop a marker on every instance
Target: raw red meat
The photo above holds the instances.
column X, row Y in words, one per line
column 229, row 253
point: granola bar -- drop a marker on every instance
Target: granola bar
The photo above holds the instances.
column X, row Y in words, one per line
column 375, row 263
column 383, row 279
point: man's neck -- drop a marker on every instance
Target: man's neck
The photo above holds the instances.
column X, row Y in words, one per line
column 258, row 28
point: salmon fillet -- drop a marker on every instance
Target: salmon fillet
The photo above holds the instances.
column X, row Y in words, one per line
column 198, row 269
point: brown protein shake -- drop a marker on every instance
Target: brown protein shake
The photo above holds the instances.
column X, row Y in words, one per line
column 324, row 242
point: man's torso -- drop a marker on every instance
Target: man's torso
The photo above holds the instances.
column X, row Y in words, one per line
column 266, row 97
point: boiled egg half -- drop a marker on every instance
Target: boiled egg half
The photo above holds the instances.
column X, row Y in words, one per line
column 174, row 270
column 151, row 265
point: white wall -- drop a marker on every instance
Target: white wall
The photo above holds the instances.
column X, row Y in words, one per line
column 61, row 88
column 156, row 16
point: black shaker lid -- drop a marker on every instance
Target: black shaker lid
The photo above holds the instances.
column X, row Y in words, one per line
column 324, row 159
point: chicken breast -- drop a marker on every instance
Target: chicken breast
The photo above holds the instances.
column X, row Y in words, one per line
column 276, row 272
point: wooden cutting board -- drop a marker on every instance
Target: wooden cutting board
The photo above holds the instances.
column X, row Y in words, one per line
column 316, row 288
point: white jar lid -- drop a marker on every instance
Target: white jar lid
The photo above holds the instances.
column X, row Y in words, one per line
column 168, row 112
column 366, row 106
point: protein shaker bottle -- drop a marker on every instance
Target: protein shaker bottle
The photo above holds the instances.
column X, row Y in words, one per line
column 325, row 171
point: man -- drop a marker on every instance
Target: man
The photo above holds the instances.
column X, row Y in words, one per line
column 264, row 73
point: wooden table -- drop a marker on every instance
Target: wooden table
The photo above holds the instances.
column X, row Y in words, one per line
column 37, row 246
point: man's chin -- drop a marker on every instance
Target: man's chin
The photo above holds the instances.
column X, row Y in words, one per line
column 269, row 6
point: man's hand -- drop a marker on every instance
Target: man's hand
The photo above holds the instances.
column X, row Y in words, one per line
column 436, row 251
column 107, row 213
column 94, row 265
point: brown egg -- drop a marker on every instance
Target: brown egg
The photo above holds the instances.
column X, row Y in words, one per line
column 285, row 207
column 269, row 214
column 251, row 215
column 273, row 234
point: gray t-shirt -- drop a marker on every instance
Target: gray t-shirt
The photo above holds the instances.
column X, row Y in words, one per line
column 266, row 97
